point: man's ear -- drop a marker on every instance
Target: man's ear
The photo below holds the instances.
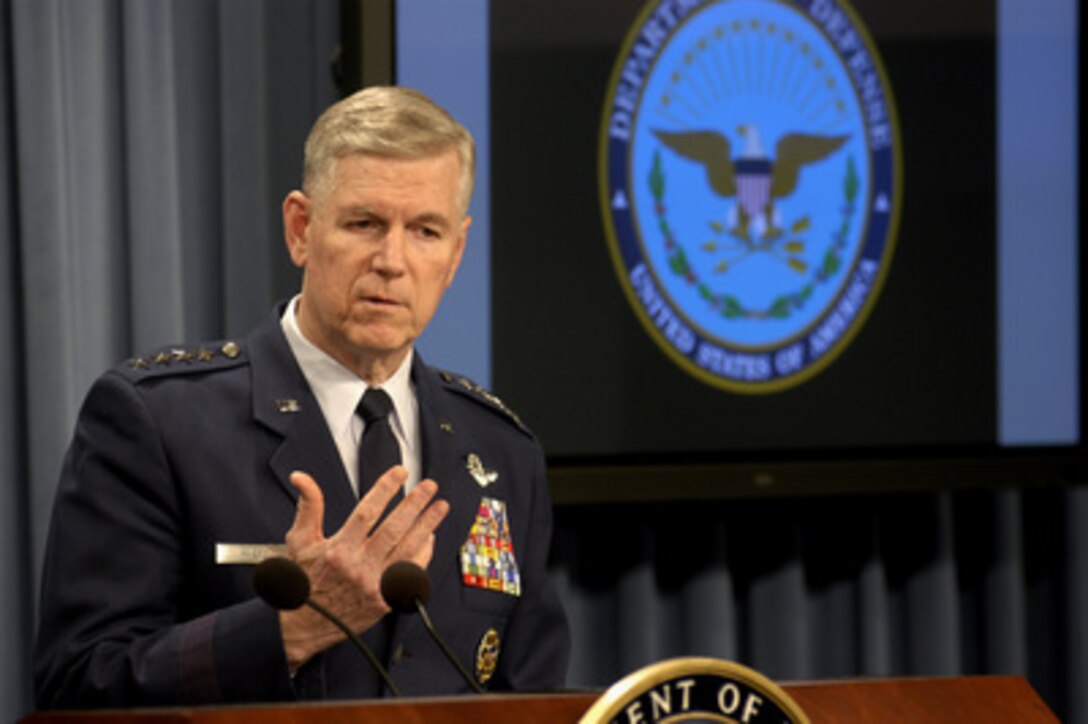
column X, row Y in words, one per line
column 297, row 210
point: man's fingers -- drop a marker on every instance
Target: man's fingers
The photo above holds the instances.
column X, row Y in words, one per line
column 309, row 514
column 417, row 542
column 369, row 510
column 422, row 557
column 386, row 536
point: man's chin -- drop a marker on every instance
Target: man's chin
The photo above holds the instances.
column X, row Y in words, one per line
column 379, row 343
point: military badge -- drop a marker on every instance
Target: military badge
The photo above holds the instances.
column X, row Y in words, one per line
column 750, row 182
column 475, row 467
column 487, row 555
column 487, row 655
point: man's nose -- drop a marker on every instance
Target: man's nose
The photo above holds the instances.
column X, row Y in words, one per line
column 389, row 258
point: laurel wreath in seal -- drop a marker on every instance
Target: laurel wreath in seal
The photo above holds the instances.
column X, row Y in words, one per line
column 783, row 305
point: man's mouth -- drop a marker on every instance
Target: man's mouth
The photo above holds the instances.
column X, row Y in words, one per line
column 380, row 300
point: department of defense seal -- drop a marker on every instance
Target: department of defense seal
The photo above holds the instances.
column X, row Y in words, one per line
column 750, row 184
column 695, row 689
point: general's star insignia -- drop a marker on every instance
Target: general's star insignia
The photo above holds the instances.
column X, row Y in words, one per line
column 475, row 467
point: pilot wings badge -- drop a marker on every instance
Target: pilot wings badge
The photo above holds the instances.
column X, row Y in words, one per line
column 475, row 467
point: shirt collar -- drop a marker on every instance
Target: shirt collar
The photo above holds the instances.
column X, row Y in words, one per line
column 338, row 390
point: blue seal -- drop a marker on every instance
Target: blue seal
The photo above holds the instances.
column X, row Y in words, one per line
column 750, row 182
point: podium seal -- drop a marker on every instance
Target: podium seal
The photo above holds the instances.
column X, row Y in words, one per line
column 694, row 689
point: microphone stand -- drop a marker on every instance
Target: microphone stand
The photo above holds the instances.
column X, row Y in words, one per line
column 354, row 638
column 442, row 645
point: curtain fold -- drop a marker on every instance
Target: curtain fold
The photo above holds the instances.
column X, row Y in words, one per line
column 1075, row 623
column 15, row 566
column 874, row 606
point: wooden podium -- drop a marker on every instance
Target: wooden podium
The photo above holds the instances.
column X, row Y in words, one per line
column 958, row 700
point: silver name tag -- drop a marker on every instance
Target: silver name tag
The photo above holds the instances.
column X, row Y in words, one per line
column 242, row 554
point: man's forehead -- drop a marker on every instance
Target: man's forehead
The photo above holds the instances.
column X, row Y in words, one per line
column 362, row 169
column 356, row 157
column 360, row 173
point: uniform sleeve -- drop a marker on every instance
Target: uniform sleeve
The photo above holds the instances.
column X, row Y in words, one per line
column 537, row 648
column 112, row 631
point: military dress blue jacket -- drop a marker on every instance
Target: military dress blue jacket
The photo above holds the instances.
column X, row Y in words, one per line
column 192, row 447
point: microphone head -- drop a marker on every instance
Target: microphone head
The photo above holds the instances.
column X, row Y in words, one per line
column 281, row 583
column 403, row 583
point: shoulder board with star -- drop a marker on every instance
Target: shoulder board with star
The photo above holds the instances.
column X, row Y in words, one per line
column 185, row 360
column 468, row 388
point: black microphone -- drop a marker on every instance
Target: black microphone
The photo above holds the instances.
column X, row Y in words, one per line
column 406, row 588
column 283, row 585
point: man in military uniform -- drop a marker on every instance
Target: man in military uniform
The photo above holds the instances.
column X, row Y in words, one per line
column 193, row 462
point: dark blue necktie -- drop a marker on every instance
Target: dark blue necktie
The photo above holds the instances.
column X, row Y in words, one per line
column 378, row 450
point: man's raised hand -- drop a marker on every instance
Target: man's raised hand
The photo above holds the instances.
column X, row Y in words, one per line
column 345, row 569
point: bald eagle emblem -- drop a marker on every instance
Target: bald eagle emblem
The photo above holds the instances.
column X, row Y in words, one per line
column 750, row 184
column 755, row 180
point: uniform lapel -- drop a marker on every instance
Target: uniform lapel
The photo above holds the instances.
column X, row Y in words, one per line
column 283, row 403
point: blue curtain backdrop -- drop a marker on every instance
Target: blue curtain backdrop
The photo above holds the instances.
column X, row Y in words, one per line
column 146, row 147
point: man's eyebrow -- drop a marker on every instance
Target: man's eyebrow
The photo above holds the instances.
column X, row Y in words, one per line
column 434, row 218
column 427, row 217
